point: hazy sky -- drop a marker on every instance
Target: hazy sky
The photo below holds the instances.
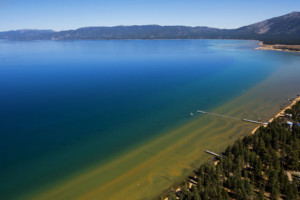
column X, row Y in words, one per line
column 72, row 14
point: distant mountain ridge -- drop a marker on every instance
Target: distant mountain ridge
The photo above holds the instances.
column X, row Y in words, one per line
column 280, row 30
column 283, row 30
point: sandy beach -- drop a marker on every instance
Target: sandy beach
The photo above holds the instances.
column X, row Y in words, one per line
column 281, row 113
column 279, row 47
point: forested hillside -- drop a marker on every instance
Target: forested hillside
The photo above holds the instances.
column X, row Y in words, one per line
column 278, row 30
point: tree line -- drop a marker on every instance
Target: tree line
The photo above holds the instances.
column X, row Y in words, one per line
column 259, row 166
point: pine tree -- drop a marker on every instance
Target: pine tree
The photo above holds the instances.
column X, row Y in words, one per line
column 274, row 191
column 261, row 193
column 225, row 195
column 172, row 196
column 294, row 189
column 205, row 195
column 196, row 193
column 252, row 178
column 248, row 188
column 258, row 166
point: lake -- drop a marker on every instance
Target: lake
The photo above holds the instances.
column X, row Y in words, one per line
column 84, row 119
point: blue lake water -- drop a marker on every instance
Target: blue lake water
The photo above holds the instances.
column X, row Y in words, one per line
column 66, row 105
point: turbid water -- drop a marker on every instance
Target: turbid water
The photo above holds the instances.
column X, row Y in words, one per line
column 111, row 119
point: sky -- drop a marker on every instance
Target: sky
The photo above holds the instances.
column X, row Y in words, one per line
column 72, row 14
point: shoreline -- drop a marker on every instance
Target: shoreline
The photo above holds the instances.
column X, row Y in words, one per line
column 177, row 186
column 279, row 47
column 281, row 113
column 167, row 172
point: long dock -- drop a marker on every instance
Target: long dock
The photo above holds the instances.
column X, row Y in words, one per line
column 235, row 118
column 212, row 153
column 256, row 122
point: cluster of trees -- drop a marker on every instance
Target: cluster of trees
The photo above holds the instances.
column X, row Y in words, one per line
column 255, row 167
column 295, row 110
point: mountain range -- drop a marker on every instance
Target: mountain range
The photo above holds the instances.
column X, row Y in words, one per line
column 279, row 30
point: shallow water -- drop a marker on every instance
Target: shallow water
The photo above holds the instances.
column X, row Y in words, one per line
column 82, row 119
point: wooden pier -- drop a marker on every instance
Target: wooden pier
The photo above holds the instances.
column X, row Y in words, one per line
column 212, row 153
column 235, row 118
column 255, row 122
